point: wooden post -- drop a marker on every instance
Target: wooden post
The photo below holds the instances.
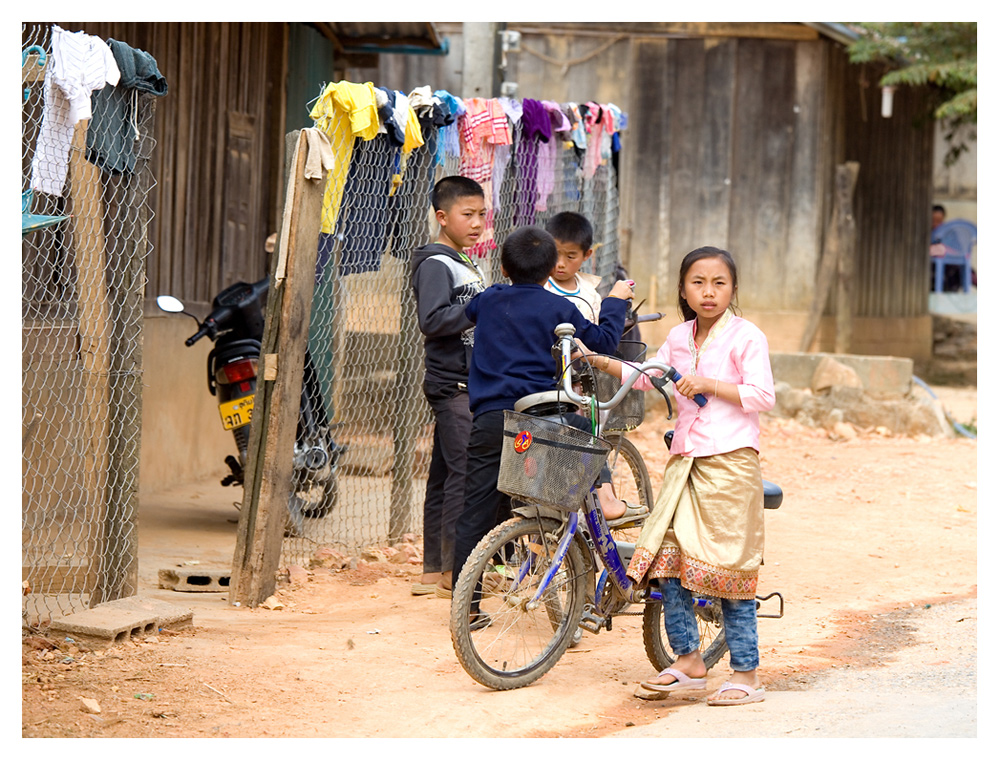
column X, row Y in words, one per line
column 847, row 177
column 841, row 224
column 268, row 474
column 406, row 424
column 87, row 230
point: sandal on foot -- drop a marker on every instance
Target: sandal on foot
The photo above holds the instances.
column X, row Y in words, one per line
column 632, row 513
column 440, row 591
column 752, row 695
column 478, row 620
column 684, row 682
column 422, row 589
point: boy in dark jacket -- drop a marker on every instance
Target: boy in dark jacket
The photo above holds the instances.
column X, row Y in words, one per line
column 444, row 281
column 515, row 330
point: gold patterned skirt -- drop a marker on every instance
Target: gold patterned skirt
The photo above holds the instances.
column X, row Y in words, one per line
column 707, row 526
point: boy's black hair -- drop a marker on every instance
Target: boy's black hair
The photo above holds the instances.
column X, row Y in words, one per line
column 450, row 189
column 938, row 207
column 528, row 255
column 570, row 227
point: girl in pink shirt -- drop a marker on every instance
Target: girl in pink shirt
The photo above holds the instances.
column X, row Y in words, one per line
column 706, row 531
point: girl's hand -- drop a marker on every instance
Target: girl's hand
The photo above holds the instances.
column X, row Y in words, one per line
column 690, row 385
column 581, row 350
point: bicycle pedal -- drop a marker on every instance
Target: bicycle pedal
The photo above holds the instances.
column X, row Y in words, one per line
column 591, row 623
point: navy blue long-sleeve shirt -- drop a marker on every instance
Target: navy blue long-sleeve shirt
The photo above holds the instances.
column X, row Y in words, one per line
column 515, row 331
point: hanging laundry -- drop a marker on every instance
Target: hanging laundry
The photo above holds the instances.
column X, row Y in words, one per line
column 79, row 64
column 482, row 128
column 548, row 153
column 343, row 111
column 503, row 154
column 362, row 224
column 449, row 145
column 388, row 125
column 536, row 127
column 113, row 132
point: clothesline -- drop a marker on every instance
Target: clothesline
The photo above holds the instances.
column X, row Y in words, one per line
column 481, row 133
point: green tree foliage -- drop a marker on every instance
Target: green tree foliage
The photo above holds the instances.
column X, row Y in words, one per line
column 935, row 54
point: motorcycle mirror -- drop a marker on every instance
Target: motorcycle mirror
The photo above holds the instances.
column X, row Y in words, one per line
column 170, row 304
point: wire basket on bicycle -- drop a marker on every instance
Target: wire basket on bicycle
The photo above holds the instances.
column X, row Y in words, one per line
column 548, row 463
column 630, row 413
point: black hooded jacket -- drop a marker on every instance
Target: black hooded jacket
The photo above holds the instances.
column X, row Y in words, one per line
column 444, row 283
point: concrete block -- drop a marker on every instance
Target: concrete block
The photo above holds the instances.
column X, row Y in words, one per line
column 118, row 621
column 880, row 376
column 195, row 579
column 102, row 627
column 167, row 615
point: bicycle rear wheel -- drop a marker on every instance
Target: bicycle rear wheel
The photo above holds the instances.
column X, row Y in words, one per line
column 712, row 633
column 630, row 479
column 521, row 641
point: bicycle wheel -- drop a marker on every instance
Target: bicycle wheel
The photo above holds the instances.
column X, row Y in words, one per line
column 713, row 634
column 521, row 641
column 630, row 479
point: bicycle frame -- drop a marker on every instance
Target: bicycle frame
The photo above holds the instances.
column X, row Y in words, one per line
column 604, row 544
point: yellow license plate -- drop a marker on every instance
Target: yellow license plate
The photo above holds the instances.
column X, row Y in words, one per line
column 236, row 413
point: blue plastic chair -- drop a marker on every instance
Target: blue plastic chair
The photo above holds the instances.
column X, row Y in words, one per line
column 958, row 236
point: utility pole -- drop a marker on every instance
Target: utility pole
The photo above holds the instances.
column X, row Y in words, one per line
column 480, row 59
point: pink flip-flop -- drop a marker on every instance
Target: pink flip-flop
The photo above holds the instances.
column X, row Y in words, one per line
column 684, row 682
column 752, row 695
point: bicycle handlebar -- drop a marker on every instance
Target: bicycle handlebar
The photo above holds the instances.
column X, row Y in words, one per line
column 565, row 331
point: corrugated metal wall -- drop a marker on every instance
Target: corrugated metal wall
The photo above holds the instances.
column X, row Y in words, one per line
column 893, row 197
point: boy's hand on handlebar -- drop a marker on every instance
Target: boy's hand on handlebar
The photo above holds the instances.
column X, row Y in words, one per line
column 622, row 290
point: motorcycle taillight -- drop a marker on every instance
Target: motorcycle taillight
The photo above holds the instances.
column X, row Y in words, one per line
column 244, row 369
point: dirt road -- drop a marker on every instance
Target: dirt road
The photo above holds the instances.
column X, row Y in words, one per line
column 874, row 550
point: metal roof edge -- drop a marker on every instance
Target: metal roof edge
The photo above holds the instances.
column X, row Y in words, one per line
column 842, row 33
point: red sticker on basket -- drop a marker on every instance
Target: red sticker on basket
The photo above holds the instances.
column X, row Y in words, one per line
column 522, row 441
column 530, row 467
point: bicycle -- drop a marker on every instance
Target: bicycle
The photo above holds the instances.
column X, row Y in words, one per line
column 555, row 567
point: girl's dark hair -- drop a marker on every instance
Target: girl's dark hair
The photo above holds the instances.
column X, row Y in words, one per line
column 528, row 255
column 705, row 252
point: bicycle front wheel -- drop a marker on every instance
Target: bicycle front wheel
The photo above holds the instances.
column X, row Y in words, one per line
column 514, row 639
column 712, row 634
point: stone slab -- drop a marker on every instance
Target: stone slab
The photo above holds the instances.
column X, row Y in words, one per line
column 880, row 376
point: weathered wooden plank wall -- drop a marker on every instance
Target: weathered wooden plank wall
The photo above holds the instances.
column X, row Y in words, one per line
column 219, row 149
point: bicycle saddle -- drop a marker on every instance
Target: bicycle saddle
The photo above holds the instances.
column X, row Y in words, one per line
column 545, row 403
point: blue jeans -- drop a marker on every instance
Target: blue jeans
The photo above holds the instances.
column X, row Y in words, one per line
column 738, row 616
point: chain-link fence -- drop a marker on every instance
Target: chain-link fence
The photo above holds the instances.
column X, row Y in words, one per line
column 84, row 219
column 364, row 340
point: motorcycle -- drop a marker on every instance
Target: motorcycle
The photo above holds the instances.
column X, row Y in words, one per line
column 236, row 326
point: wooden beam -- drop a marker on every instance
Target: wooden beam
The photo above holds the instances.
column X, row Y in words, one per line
column 841, row 223
column 847, row 177
column 268, row 474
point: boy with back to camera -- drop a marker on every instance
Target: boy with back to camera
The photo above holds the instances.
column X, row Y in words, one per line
column 574, row 238
column 444, row 280
column 511, row 358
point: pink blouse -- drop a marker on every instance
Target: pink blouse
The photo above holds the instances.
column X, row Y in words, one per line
column 738, row 354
